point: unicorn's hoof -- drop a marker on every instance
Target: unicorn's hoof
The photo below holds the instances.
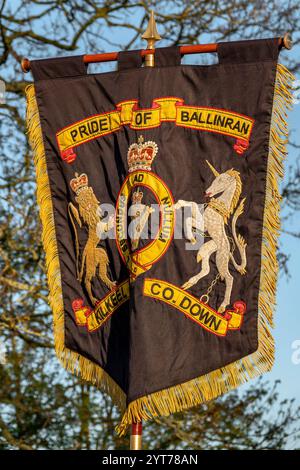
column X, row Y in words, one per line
column 189, row 283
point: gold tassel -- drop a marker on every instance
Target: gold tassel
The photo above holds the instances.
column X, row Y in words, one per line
column 210, row 386
column 71, row 360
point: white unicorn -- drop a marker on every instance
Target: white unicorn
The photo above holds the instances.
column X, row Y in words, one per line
column 225, row 193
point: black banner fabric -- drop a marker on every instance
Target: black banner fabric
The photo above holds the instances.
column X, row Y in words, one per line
column 159, row 201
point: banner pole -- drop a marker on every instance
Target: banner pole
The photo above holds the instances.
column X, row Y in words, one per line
column 151, row 35
column 136, row 436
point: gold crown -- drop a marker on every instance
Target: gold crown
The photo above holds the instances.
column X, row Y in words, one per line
column 137, row 197
column 140, row 156
column 79, row 182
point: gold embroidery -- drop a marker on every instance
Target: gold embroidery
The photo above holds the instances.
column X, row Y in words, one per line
column 194, row 309
column 140, row 157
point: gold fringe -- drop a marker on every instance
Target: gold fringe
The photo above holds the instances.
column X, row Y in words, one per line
column 72, row 361
column 209, row 386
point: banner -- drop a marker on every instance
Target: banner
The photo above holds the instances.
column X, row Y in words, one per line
column 158, row 195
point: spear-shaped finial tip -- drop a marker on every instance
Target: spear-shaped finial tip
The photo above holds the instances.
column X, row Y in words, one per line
column 151, row 33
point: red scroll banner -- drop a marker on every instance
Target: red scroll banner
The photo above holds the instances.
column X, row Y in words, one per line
column 167, row 109
column 103, row 310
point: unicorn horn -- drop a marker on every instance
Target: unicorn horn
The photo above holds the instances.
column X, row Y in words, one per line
column 215, row 172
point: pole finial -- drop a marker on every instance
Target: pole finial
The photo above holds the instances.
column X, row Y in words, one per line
column 25, row 65
column 151, row 35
